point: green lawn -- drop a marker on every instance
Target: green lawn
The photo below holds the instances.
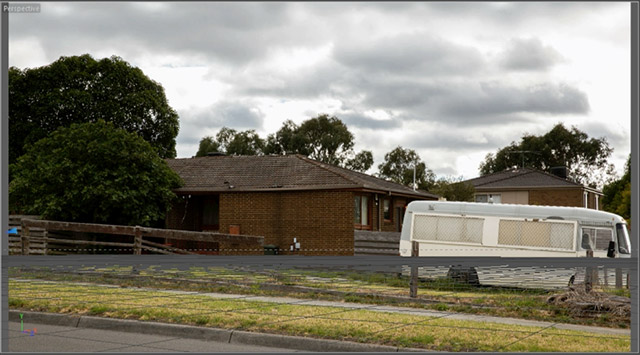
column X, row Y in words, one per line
column 322, row 322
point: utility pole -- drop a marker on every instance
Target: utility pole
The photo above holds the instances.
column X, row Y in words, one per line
column 414, row 176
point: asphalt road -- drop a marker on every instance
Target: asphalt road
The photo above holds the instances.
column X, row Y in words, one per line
column 61, row 339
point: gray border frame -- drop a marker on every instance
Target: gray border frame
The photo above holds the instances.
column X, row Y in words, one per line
column 4, row 169
column 635, row 165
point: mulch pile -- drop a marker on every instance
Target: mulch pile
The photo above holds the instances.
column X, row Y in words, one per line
column 593, row 304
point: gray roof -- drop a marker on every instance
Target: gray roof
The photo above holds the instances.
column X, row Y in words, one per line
column 276, row 173
column 522, row 178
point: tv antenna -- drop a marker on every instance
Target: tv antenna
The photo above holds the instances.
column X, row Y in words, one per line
column 523, row 152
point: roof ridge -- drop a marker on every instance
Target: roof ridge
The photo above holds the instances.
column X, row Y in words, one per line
column 330, row 168
column 559, row 178
column 507, row 177
column 321, row 165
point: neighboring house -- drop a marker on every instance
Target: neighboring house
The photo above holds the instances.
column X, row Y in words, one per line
column 282, row 197
column 524, row 186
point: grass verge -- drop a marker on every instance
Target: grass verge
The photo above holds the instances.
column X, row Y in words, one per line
column 363, row 325
column 363, row 287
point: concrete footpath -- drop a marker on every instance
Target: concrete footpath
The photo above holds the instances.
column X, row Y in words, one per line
column 62, row 332
column 380, row 308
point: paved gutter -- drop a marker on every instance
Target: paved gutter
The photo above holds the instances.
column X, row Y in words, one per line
column 205, row 333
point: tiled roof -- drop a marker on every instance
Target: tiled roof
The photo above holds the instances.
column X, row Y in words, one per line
column 273, row 173
column 521, row 177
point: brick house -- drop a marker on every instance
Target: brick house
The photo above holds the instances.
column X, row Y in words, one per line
column 526, row 186
column 282, row 197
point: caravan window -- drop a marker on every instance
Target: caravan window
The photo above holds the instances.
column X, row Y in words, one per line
column 599, row 238
column 621, row 232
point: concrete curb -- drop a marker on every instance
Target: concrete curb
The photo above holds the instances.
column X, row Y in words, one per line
column 204, row 333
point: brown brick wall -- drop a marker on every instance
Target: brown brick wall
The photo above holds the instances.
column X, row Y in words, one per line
column 322, row 221
column 556, row 197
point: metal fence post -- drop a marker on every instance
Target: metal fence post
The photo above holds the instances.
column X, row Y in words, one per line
column 413, row 284
column 137, row 241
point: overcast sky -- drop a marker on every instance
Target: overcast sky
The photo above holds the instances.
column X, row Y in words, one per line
column 454, row 81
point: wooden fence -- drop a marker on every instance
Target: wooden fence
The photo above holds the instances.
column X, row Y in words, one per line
column 37, row 237
column 376, row 243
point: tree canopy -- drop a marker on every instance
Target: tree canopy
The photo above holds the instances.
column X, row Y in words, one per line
column 322, row 138
column 617, row 194
column 80, row 89
column 453, row 189
column 96, row 173
column 398, row 167
column 207, row 145
column 585, row 158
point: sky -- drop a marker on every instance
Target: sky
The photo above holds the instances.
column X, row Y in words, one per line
column 453, row 81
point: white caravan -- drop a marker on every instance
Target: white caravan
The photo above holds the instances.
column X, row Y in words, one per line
column 507, row 230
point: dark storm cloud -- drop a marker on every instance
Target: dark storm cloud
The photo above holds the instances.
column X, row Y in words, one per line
column 529, row 54
column 410, row 54
column 455, row 139
column 362, row 121
column 236, row 115
column 507, row 14
column 231, row 32
column 401, row 94
column 495, row 98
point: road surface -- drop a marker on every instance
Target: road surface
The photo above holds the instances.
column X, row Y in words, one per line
column 60, row 339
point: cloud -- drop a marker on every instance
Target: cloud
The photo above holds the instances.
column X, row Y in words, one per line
column 195, row 123
column 410, row 54
column 495, row 98
column 529, row 54
column 362, row 121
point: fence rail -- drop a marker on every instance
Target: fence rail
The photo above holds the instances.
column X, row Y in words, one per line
column 376, row 243
column 35, row 237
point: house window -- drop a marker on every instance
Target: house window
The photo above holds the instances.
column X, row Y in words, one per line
column 386, row 210
column 211, row 213
column 361, row 212
column 490, row 198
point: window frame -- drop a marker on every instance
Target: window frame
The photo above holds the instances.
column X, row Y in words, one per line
column 369, row 224
column 387, row 203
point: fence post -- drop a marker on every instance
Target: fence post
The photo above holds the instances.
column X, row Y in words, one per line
column 137, row 241
column 618, row 277
column 25, row 239
column 588, row 277
column 413, row 284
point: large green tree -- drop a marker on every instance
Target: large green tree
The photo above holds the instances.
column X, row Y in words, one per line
column 453, row 189
column 93, row 172
column 80, row 89
column 207, row 145
column 617, row 194
column 232, row 142
column 324, row 138
column 585, row 158
column 398, row 166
